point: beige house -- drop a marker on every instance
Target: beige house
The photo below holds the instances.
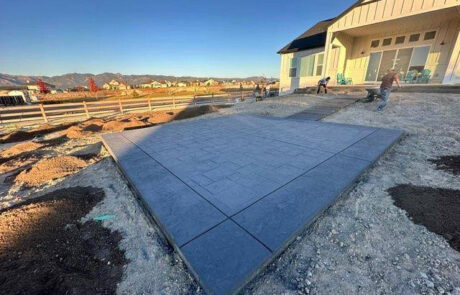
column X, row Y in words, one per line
column 210, row 82
column 420, row 39
column 151, row 84
column 115, row 85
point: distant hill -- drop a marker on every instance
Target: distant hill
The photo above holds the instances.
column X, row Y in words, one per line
column 75, row 79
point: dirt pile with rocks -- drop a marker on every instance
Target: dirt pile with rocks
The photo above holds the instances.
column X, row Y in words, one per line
column 44, row 249
column 50, row 169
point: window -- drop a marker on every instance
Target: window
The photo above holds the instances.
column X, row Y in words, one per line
column 307, row 66
column 293, row 68
column 386, row 42
column 400, row 40
column 419, row 57
column 414, row 37
column 319, row 64
column 430, row 35
column 375, row 43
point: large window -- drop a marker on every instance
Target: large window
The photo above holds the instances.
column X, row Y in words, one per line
column 319, row 64
column 402, row 60
column 307, row 66
column 293, row 68
column 419, row 57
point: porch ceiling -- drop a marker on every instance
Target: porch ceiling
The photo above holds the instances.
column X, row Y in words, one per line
column 406, row 24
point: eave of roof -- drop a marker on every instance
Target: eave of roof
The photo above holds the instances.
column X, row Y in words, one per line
column 314, row 37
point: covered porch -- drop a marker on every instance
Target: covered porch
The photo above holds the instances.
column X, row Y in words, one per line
column 422, row 48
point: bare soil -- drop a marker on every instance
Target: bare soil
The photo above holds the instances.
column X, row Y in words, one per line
column 49, row 169
column 45, row 250
column 18, row 162
column 449, row 164
column 22, row 135
column 437, row 209
column 21, row 148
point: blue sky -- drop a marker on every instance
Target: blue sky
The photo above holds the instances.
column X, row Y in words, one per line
column 176, row 37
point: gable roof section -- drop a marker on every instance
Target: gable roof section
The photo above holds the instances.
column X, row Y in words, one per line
column 313, row 38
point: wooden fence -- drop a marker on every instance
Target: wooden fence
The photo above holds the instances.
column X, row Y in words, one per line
column 54, row 112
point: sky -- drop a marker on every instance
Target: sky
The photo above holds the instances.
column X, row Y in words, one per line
column 204, row 38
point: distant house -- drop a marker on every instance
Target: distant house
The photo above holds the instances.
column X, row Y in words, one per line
column 181, row 84
column 416, row 38
column 151, row 84
column 165, row 84
column 116, row 85
column 210, row 82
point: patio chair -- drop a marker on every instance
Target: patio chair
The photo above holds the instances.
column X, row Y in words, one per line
column 342, row 80
column 424, row 77
column 410, row 76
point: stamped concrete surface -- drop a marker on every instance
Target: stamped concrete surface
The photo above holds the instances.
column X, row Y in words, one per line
column 230, row 193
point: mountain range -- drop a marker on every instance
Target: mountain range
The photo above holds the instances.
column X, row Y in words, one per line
column 75, row 79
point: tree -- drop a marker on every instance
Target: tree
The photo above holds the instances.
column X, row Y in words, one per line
column 92, row 85
column 42, row 86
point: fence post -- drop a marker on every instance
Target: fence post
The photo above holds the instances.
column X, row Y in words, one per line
column 42, row 109
column 121, row 107
column 86, row 109
column 150, row 104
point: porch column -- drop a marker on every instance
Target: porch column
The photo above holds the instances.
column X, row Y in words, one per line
column 452, row 75
column 327, row 53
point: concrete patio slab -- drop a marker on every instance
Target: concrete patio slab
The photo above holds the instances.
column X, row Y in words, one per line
column 231, row 193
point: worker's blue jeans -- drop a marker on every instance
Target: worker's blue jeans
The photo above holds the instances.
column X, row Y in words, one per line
column 385, row 92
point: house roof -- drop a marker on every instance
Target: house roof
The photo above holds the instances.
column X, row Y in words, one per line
column 312, row 38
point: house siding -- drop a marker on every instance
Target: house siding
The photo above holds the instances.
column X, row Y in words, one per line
column 372, row 11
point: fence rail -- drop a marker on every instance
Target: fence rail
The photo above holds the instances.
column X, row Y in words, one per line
column 53, row 112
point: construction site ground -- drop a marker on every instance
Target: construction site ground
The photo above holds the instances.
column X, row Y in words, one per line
column 374, row 240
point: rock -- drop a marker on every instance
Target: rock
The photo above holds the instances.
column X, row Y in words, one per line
column 429, row 284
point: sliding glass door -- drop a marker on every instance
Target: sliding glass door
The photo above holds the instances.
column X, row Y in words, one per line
column 387, row 63
column 419, row 58
column 402, row 60
column 373, row 67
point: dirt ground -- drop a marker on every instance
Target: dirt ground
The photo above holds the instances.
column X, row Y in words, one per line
column 448, row 163
column 364, row 244
column 437, row 209
column 44, row 249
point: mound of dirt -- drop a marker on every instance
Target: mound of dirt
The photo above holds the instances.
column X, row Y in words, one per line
column 19, row 162
column 22, row 135
column 50, row 169
column 45, row 250
column 20, row 148
column 435, row 208
column 449, row 164
column 123, row 124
